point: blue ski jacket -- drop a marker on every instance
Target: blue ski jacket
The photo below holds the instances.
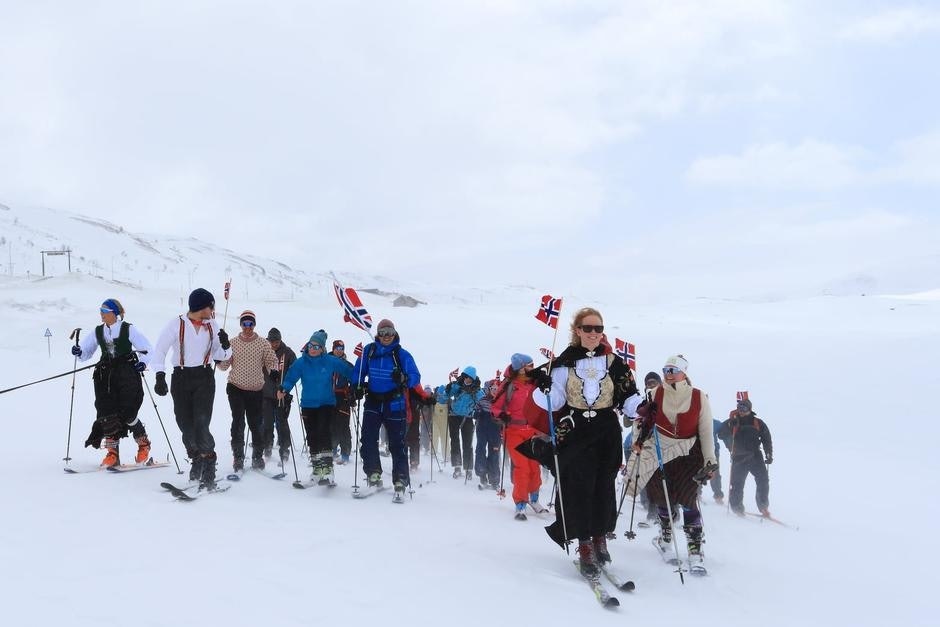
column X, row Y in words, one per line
column 316, row 378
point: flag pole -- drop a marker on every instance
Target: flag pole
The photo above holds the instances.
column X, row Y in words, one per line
column 225, row 293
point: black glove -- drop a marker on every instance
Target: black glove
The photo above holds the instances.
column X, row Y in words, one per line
column 360, row 392
column 706, row 473
column 140, row 366
column 430, row 401
column 223, row 340
column 398, row 377
column 77, row 351
column 542, row 380
column 160, row 386
column 504, row 418
column 275, row 375
column 769, row 459
column 564, row 427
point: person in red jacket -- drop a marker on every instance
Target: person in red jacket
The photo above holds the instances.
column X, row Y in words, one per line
column 508, row 405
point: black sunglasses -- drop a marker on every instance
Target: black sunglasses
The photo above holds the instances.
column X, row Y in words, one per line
column 592, row 328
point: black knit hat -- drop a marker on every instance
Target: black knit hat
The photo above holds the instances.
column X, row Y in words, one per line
column 200, row 299
column 652, row 376
column 274, row 334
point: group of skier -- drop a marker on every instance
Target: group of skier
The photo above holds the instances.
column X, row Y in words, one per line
column 564, row 415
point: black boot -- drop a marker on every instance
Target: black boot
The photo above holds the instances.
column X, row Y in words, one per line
column 208, row 472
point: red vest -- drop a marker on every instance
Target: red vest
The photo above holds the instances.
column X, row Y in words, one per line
column 687, row 422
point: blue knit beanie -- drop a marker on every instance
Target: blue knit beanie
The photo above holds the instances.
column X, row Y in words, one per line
column 469, row 371
column 318, row 338
column 519, row 360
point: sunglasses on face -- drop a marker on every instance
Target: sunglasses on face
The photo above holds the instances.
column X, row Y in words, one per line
column 247, row 324
column 592, row 328
column 339, row 347
column 671, row 370
column 386, row 332
column 315, row 347
column 106, row 311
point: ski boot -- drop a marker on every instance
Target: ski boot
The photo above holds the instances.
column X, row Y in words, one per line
column 285, row 457
column 238, row 463
column 207, row 482
column 268, row 451
column 375, row 480
column 457, row 472
column 719, row 499
column 195, row 468
column 694, row 540
column 257, row 463
column 520, row 512
column 600, row 549
column 587, row 560
column 143, row 449
column 113, row 457
column 534, row 503
column 663, row 541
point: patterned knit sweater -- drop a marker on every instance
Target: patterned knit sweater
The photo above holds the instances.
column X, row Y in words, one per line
column 252, row 357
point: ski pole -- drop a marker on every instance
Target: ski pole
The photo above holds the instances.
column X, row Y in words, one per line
column 630, row 534
column 356, row 453
column 68, row 442
column 303, row 428
column 561, row 499
column 179, row 471
column 502, row 467
column 662, row 471
column 58, row 376
column 280, row 407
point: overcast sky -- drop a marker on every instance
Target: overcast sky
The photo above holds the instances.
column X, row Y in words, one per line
column 751, row 140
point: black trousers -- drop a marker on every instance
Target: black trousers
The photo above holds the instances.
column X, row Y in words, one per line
column 246, row 406
column 461, row 429
column 318, row 422
column 118, row 392
column 193, row 392
column 739, row 471
column 339, row 430
column 275, row 417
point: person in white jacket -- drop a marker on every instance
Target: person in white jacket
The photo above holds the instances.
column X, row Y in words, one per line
column 195, row 341
column 118, row 389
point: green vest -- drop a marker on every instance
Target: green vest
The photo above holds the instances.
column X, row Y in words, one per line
column 122, row 345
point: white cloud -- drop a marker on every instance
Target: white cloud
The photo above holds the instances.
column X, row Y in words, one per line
column 892, row 25
column 917, row 161
column 811, row 164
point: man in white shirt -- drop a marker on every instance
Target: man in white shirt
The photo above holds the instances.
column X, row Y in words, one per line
column 195, row 341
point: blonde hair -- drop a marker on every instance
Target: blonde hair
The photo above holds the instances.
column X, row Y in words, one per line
column 579, row 317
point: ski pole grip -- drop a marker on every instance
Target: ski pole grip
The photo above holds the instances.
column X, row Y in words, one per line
column 75, row 335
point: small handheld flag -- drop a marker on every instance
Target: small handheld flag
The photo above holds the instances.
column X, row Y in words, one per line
column 454, row 373
column 626, row 351
column 742, row 396
column 228, row 288
column 549, row 311
column 358, row 350
column 547, row 354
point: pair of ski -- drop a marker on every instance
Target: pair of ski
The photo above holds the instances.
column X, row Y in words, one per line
column 770, row 518
column 238, row 474
column 600, row 592
column 192, row 491
column 324, row 482
column 397, row 497
column 147, row 465
column 698, row 570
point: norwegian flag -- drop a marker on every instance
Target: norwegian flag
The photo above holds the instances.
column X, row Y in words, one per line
column 454, row 373
column 547, row 354
column 354, row 312
column 626, row 351
column 498, row 376
column 549, row 311
column 358, row 350
column 228, row 288
column 742, row 396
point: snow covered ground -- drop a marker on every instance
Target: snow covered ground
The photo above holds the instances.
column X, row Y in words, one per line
column 839, row 380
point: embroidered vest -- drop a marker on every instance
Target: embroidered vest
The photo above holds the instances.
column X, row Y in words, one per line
column 686, row 422
column 122, row 343
column 574, row 388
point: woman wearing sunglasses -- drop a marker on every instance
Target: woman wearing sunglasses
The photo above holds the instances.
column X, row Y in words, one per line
column 252, row 356
column 588, row 381
column 682, row 417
